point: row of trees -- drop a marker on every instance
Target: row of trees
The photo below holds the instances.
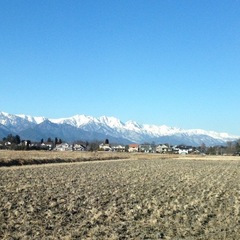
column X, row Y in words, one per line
column 55, row 141
column 12, row 139
column 231, row 148
column 15, row 143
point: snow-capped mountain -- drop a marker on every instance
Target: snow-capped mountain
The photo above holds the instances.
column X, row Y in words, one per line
column 15, row 123
column 82, row 127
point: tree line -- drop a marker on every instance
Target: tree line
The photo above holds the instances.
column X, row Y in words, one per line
column 14, row 142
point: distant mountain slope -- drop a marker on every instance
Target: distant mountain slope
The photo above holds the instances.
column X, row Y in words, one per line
column 87, row 128
column 64, row 131
column 4, row 131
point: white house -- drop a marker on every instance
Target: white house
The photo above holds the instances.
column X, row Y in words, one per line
column 8, row 143
column 183, row 151
column 63, row 147
column 133, row 147
column 162, row 148
column 118, row 148
column 79, row 147
column 104, row 147
column 48, row 145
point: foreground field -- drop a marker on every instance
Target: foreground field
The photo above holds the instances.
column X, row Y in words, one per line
column 124, row 199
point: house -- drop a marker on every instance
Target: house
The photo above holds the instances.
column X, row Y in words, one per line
column 35, row 144
column 162, row 148
column 118, row 148
column 182, row 149
column 63, row 147
column 47, row 145
column 147, row 148
column 79, row 147
column 25, row 143
column 8, row 143
column 133, row 147
column 196, row 152
column 104, row 147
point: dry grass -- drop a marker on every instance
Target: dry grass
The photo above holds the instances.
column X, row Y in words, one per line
column 125, row 199
column 10, row 158
column 16, row 158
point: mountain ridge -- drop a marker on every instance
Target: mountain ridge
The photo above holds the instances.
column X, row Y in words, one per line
column 83, row 127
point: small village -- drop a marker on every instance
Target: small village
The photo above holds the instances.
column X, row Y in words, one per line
column 149, row 148
column 15, row 143
column 105, row 146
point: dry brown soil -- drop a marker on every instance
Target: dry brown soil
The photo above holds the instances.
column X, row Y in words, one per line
column 148, row 198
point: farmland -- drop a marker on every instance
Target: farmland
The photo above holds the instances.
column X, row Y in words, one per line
column 134, row 198
column 19, row 158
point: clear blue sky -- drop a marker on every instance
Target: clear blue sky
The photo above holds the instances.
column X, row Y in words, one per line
column 154, row 61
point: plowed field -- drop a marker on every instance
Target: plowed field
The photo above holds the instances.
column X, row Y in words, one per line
column 123, row 199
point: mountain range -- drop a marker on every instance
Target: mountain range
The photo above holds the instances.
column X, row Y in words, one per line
column 87, row 128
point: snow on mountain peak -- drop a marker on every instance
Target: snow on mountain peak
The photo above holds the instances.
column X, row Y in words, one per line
column 133, row 126
column 6, row 118
column 111, row 121
column 160, row 130
column 111, row 126
column 36, row 120
column 212, row 134
column 76, row 120
column 5, row 114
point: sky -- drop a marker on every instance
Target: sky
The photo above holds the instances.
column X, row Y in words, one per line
column 161, row 62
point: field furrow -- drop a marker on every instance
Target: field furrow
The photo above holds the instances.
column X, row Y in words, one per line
column 125, row 199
